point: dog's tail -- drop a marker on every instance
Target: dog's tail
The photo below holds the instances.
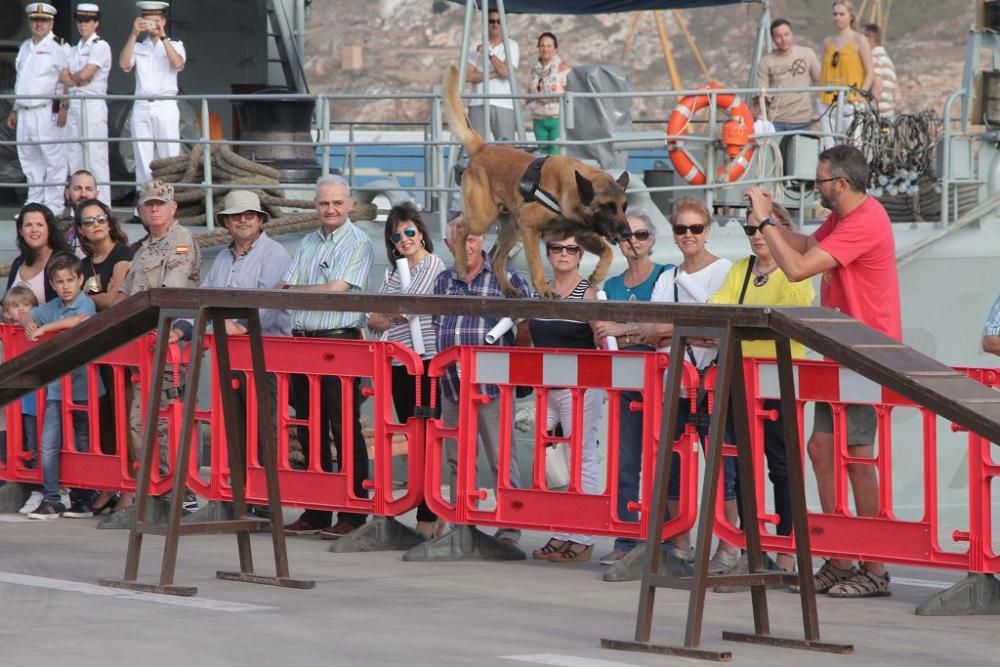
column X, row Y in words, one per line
column 458, row 121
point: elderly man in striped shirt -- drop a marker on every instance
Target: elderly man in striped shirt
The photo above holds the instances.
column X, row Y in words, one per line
column 337, row 257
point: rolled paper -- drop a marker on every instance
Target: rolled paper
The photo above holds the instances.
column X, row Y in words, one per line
column 416, row 336
column 610, row 342
column 691, row 287
column 497, row 332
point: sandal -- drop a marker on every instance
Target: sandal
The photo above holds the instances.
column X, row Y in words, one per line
column 553, row 546
column 572, row 552
column 864, row 584
column 827, row 577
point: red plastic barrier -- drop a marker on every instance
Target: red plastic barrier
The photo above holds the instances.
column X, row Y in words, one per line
column 885, row 537
column 314, row 488
column 92, row 469
column 536, row 507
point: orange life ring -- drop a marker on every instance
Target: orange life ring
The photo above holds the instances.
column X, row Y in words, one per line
column 739, row 146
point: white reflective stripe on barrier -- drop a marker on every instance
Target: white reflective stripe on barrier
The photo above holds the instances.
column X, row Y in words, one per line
column 857, row 389
column 492, row 368
column 768, row 381
column 627, row 372
column 560, row 370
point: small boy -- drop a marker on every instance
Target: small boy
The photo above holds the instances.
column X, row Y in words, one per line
column 65, row 274
column 17, row 304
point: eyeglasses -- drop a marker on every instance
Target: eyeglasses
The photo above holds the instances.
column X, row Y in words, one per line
column 557, row 248
column 681, row 230
column 410, row 232
column 92, row 220
column 827, row 180
column 638, row 235
column 493, row 22
column 835, row 59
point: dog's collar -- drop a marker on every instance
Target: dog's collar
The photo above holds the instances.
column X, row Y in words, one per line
column 530, row 186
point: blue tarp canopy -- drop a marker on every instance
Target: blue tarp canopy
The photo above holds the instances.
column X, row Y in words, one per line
column 602, row 6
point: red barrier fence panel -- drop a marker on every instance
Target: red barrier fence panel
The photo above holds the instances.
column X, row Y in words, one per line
column 533, row 505
column 107, row 465
column 347, row 361
column 884, row 537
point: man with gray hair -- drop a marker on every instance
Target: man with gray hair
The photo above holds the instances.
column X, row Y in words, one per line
column 337, row 257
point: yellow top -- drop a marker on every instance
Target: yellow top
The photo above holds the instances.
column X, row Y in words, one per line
column 777, row 291
column 849, row 71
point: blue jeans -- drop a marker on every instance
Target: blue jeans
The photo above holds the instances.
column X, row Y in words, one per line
column 629, row 462
column 29, row 427
column 52, row 445
column 791, row 127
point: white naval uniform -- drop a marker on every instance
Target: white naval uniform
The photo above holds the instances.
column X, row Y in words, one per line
column 157, row 119
column 94, row 51
column 38, row 68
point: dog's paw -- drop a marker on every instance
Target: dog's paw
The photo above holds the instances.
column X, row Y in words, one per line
column 512, row 293
column 547, row 294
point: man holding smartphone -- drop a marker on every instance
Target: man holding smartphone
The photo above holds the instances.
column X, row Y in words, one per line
column 854, row 251
column 157, row 60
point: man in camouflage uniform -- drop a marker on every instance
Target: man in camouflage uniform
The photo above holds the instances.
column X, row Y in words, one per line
column 168, row 257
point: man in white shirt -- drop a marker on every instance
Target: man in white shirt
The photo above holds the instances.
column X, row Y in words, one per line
column 788, row 66
column 86, row 76
column 885, row 89
column 157, row 60
column 40, row 61
column 501, row 110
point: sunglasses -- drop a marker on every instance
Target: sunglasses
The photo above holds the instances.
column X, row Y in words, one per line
column 410, row 232
column 92, row 220
column 640, row 235
column 835, row 59
column 557, row 248
column 681, row 230
column 493, row 22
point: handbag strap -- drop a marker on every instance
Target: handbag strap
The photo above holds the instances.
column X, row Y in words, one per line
column 746, row 278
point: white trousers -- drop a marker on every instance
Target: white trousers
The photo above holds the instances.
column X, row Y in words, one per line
column 157, row 122
column 45, row 163
column 88, row 119
column 560, row 411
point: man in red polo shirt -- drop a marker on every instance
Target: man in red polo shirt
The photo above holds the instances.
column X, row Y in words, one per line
column 855, row 253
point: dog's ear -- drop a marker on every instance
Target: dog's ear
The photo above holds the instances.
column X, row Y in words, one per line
column 623, row 180
column 586, row 189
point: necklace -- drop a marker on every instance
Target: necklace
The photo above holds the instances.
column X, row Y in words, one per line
column 761, row 277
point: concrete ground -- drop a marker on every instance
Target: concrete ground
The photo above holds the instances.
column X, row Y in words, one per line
column 375, row 609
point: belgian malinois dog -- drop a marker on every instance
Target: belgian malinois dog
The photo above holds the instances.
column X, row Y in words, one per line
column 492, row 192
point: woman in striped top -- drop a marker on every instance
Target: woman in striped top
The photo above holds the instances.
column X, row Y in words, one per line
column 567, row 283
column 406, row 238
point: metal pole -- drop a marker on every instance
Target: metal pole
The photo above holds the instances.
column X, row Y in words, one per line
column 85, row 143
column 484, row 65
column 710, row 154
column 350, row 154
column 324, row 133
column 206, row 138
column 438, row 179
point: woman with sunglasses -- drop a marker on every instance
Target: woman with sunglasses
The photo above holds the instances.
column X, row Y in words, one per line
column 406, row 237
column 847, row 61
column 107, row 257
column 548, row 76
column 567, row 283
column 635, row 283
column 757, row 280
column 697, row 278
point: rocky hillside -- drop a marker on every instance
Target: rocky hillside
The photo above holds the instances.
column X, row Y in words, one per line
column 391, row 46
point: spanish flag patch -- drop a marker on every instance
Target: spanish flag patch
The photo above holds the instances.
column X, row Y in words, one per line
column 181, row 250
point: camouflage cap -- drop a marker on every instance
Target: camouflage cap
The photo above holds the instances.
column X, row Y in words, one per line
column 156, row 190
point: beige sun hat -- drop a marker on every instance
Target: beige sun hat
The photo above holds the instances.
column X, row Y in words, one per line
column 240, row 201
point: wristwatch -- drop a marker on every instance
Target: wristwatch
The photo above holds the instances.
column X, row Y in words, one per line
column 766, row 222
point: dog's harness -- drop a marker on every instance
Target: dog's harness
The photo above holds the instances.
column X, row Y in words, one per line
column 530, row 186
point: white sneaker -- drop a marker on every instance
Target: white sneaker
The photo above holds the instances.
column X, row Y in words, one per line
column 34, row 500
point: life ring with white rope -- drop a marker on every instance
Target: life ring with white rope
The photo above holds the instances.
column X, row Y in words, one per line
column 736, row 139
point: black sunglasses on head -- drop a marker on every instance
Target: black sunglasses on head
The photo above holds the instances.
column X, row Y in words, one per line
column 409, row 231
column 681, row 230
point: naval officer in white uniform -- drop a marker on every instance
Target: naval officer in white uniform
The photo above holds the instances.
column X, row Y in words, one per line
column 86, row 76
column 40, row 61
column 157, row 60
